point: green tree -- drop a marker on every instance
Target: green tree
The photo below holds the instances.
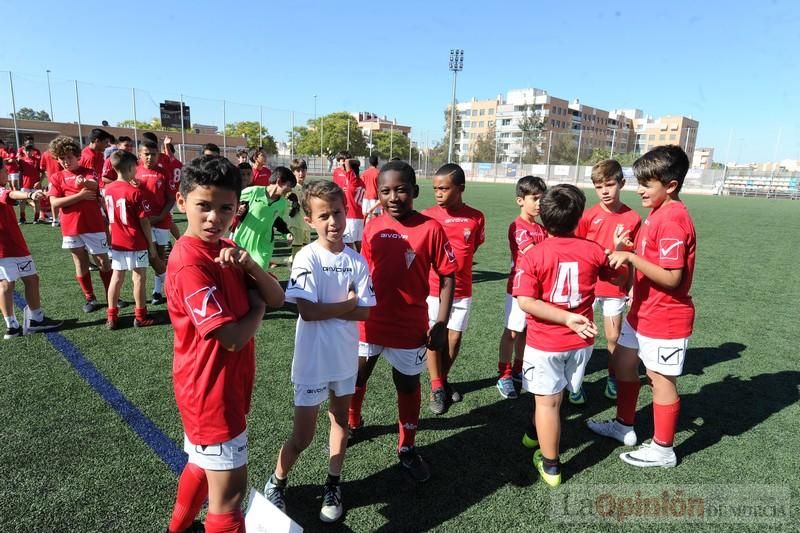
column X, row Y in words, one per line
column 445, row 144
column 531, row 125
column 26, row 113
column 564, row 150
column 253, row 133
column 483, row 150
column 390, row 143
column 600, row 154
column 154, row 125
column 334, row 129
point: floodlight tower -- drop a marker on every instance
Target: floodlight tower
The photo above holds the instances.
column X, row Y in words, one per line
column 456, row 65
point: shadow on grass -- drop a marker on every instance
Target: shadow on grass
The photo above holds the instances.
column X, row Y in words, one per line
column 481, row 276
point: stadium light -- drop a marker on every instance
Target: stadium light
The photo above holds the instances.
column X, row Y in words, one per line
column 456, row 65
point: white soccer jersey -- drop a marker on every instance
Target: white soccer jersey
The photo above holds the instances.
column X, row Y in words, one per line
column 327, row 350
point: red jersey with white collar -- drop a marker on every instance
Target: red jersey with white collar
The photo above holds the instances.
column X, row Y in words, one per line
column 261, row 176
column 521, row 235
column 354, row 195
column 93, row 160
column 466, row 230
column 81, row 217
column 370, row 179
column 156, row 183
column 29, row 170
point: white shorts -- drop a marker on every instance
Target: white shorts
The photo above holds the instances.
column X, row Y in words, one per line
column 14, row 178
column 367, row 204
column 408, row 361
column 515, row 317
column 161, row 236
column 549, row 372
column 228, row 455
column 459, row 312
column 611, row 306
column 313, row 395
column 13, row 268
column 124, row 260
column 353, row 230
column 96, row 243
column 665, row 356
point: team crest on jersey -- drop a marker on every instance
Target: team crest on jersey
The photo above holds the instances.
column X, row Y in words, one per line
column 448, row 250
column 410, row 255
column 669, row 248
column 597, row 221
column 467, row 235
column 203, row 305
column 520, row 235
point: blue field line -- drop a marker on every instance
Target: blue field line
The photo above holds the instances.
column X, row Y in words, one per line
column 163, row 446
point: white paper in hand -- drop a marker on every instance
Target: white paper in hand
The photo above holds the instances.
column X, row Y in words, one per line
column 263, row 517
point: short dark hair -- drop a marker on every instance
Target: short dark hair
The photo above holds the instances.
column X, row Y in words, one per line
column 298, row 164
column 28, row 138
column 342, row 154
column 662, row 163
column 530, row 185
column 605, row 170
column 322, row 189
column 258, row 151
column 245, row 166
column 283, row 175
column 150, row 136
column 98, row 134
column 211, row 171
column 124, row 139
column 355, row 166
column 561, row 208
column 373, row 161
column 149, row 144
column 122, row 160
column 455, row 172
column 405, row 170
column 211, row 147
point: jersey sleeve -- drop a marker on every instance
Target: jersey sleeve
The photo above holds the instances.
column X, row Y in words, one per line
column 202, row 301
column 443, row 258
column 671, row 244
column 364, row 289
column 583, row 226
column 140, row 206
column 635, row 230
column 302, row 283
column 481, row 232
column 525, row 282
column 5, row 197
column 108, row 170
column 366, row 247
column 55, row 186
column 247, row 194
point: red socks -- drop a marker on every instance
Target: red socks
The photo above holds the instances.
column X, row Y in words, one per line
column 504, row 370
column 665, row 420
column 354, row 413
column 408, row 404
column 437, row 383
column 627, row 396
column 140, row 313
column 106, row 277
column 112, row 313
column 85, row 282
column 232, row 522
column 192, row 492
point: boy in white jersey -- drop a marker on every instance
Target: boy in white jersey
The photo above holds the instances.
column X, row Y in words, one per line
column 331, row 285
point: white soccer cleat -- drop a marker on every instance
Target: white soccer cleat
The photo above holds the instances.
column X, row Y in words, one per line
column 615, row 430
column 651, row 454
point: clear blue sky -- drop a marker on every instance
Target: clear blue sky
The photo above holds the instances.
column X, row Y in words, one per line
column 732, row 65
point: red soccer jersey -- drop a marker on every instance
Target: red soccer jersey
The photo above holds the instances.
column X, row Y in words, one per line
column 108, row 171
column 12, row 243
column 212, row 385
column 339, row 176
column 354, row 195
column 126, row 205
column 49, row 164
column 400, row 254
column 465, row 229
column 156, row 183
column 261, row 176
column 10, row 160
column 370, row 179
column 667, row 239
column 29, row 168
column 174, row 172
column 81, row 217
column 521, row 235
column 561, row 271
column 599, row 225
column 93, row 160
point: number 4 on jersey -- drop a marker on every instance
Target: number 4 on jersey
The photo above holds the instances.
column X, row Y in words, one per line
column 566, row 290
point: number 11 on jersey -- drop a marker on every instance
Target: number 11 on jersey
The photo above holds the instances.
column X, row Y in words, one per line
column 123, row 210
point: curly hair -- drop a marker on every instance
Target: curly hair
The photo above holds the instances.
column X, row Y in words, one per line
column 62, row 146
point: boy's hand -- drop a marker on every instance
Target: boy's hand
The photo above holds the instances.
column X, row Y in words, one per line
column 38, row 195
column 168, row 140
column 622, row 238
column 585, row 328
column 236, row 257
column 80, row 181
column 437, row 337
column 156, row 262
column 617, row 259
column 86, row 194
column 242, row 211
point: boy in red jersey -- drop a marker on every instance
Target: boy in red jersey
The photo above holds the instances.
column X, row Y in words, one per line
column 555, row 287
column 92, row 154
column 31, row 179
column 661, row 317
column 217, row 296
column 16, row 263
column 354, row 196
column 465, row 229
column 371, row 207
column 261, row 172
column 74, row 191
column 400, row 247
column 523, row 233
column 152, row 178
column 109, row 174
column 339, row 175
column 128, row 208
column 601, row 223
column 9, row 157
column 49, row 165
column 174, row 169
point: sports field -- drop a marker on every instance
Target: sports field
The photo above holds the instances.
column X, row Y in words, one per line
column 91, row 438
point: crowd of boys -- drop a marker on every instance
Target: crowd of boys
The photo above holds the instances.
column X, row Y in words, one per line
column 355, row 279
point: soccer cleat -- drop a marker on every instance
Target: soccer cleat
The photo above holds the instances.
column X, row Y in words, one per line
column 506, row 388
column 332, row 508
column 93, row 268
column 615, row 430
column 275, row 494
column 144, row 322
column 552, row 480
column 112, row 324
column 55, row 223
column 91, row 306
column 22, row 221
column 529, row 442
column 578, row 397
column 611, row 388
column 354, row 431
column 414, row 464
column 517, row 377
column 452, row 394
column 158, row 299
column 650, row 454
column 13, row 332
column 438, row 403
column 29, row 325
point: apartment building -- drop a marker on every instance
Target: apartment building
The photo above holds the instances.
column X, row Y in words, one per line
column 475, row 118
column 371, row 122
column 669, row 129
column 702, row 158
